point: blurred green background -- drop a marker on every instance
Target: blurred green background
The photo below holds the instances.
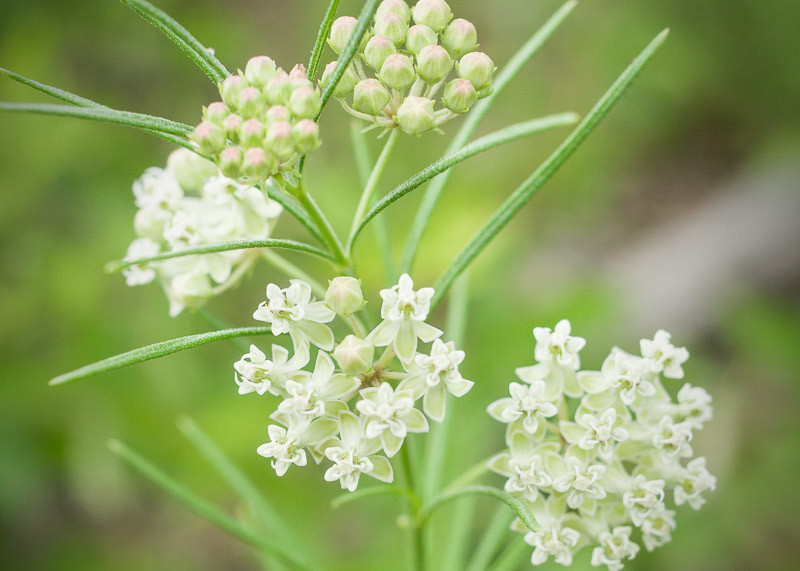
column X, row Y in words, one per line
column 680, row 212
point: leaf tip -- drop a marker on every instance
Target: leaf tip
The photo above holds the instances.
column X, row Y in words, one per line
column 112, row 443
column 113, row 266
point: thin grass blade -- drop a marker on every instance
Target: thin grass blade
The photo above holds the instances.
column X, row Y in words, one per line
column 322, row 36
column 515, row 504
column 491, row 539
column 60, row 94
column 343, row 499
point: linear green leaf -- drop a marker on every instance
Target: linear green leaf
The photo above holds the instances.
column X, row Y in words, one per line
column 515, row 504
column 322, row 36
column 155, row 351
column 61, row 94
column 200, row 506
column 102, row 114
column 369, row 492
column 502, row 136
column 514, row 65
column 349, row 51
column 491, row 538
column 298, row 212
column 513, row 555
column 197, row 52
column 548, row 168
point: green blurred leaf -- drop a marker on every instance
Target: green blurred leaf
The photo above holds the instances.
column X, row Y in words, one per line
column 322, row 36
column 515, row 504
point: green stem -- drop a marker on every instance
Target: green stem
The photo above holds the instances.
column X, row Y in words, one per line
column 293, row 271
column 322, row 223
column 322, row 35
column 416, row 535
column 512, row 556
column 491, row 538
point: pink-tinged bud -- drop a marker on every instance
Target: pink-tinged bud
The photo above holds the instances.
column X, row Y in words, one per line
column 304, row 102
column 346, row 83
column 216, row 112
column 392, row 26
column 354, row 355
column 257, row 163
column 433, row 13
column 341, row 30
column 460, row 37
column 433, row 64
column 459, row 95
column 370, row 96
column 209, row 137
column 298, row 77
column 278, row 113
column 280, row 140
column 420, row 36
column 259, row 70
column 398, row 72
column 398, row 7
column 252, row 133
column 231, row 88
column 251, row 102
column 376, row 51
column 231, row 125
column 415, row 115
column 230, row 162
column 306, row 136
column 278, row 90
column 478, row 68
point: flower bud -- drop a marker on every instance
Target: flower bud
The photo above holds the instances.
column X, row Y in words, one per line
column 190, row 169
column 298, row 73
column 398, row 72
column 460, row 37
column 398, row 7
column 277, row 113
column 279, row 139
column 188, row 290
column 259, row 70
column 376, row 51
column 344, row 295
column 251, row 102
column 231, row 88
column 341, row 30
column 392, row 26
column 306, row 136
column 230, row 162
column 251, row 133
column 478, row 68
column 459, row 95
column 354, row 355
column 370, row 96
column 420, row 36
column 304, row 102
column 278, row 90
column 346, row 83
column 433, row 13
column 209, row 137
column 415, row 115
column 231, row 125
column 216, row 112
column 433, row 64
column 257, row 163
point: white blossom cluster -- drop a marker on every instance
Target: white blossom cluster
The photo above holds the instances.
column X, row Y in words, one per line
column 189, row 204
column 411, row 52
column 596, row 454
column 352, row 410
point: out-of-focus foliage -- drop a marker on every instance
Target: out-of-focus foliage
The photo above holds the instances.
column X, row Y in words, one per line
column 720, row 97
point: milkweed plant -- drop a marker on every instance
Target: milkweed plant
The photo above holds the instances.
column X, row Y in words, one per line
column 592, row 459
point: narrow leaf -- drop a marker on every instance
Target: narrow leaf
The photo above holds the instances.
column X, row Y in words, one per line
column 200, row 506
column 155, row 351
column 197, row 52
column 339, row 501
column 513, row 555
column 491, row 538
column 322, row 36
column 534, row 183
column 515, row 504
column 298, row 212
column 61, row 94
column 500, row 137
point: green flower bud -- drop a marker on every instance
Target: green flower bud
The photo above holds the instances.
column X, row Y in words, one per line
column 258, row 164
column 398, row 7
column 230, row 89
column 398, row 72
column 251, row 102
column 376, row 51
column 279, row 139
column 344, row 295
column 277, row 113
column 346, row 83
column 392, row 26
column 341, row 30
column 252, row 133
column 259, row 70
column 216, row 112
column 415, row 115
column 460, row 38
column 433, row 64
column 370, row 96
column 209, row 137
column 420, row 36
column 304, row 102
column 230, row 162
column 190, row 169
column 278, row 90
column 459, row 95
column 231, row 126
column 306, row 136
column 433, row 13
column 478, row 68
column 354, row 355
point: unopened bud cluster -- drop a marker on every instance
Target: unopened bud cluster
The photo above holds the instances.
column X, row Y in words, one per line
column 600, row 476
column 354, row 410
column 264, row 123
column 188, row 204
column 413, row 53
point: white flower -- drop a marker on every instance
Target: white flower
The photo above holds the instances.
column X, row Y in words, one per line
column 663, row 355
column 291, row 311
column 526, row 403
column 694, row 404
column 144, row 273
column 657, row 529
column 283, row 449
column 404, row 311
column 188, row 290
column 694, row 482
column 524, row 466
column 577, row 477
column 434, row 375
column 672, row 438
column 157, row 188
column 615, row 546
column 555, row 538
column 390, row 415
column 189, row 169
column 354, row 455
column 255, row 373
column 628, row 375
column 643, row 497
column 590, row 432
column 557, row 345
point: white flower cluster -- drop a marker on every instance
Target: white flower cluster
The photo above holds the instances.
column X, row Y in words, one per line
column 600, row 476
column 412, row 52
column 188, row 204
column 368, row 406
